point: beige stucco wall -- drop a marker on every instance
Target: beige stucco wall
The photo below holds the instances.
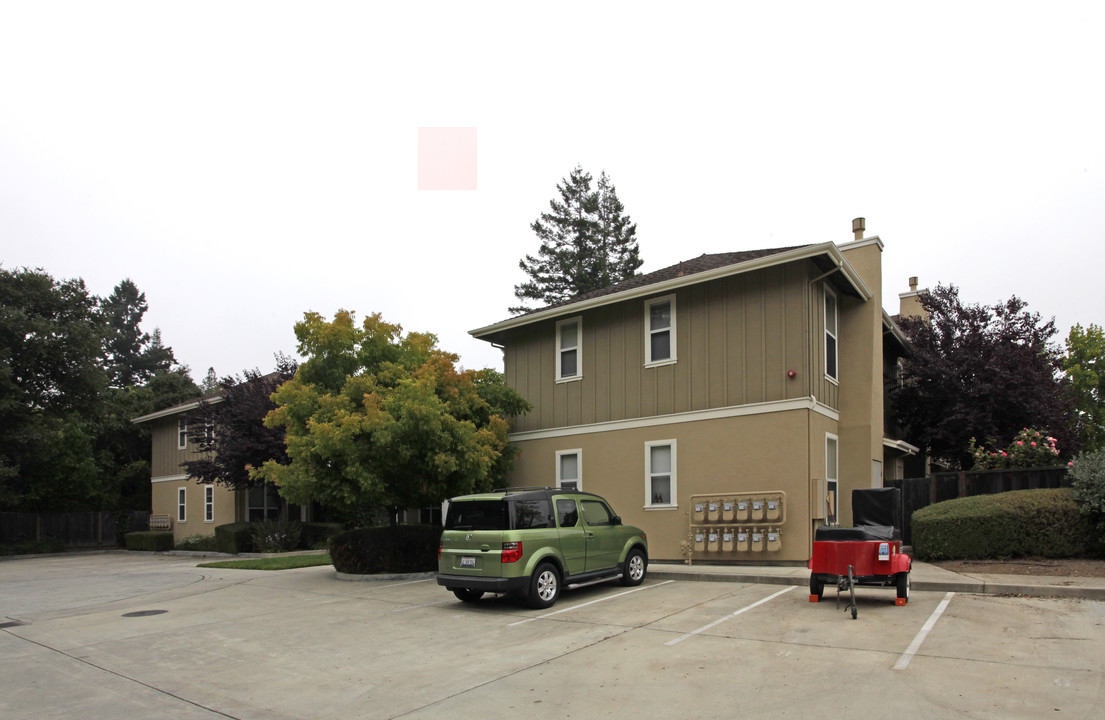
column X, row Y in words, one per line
column 769, row 452
column 165, row 502
column 861, row 377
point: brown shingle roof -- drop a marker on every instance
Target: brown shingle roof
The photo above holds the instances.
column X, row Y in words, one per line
column 683, row 268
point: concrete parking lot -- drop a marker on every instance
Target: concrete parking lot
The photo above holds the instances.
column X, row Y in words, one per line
column 126, row 635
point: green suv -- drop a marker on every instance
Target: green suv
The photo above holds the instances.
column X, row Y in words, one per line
column 532, row 542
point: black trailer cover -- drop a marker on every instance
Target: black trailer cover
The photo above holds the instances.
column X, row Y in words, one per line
column 877, row 506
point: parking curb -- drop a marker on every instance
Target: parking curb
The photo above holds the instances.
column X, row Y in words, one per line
column 968, row 587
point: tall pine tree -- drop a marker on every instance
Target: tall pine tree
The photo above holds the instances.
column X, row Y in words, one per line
column 131, row 356
column 587, row 243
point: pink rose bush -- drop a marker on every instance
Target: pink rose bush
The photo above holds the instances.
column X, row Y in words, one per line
column 1031, row 448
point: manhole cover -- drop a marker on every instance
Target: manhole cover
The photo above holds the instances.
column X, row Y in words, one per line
column 144, row 613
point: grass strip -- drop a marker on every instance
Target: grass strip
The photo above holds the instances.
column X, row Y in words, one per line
column 289, row 562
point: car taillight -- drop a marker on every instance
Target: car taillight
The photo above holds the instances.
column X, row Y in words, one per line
column 439, row 548
column 512, row 552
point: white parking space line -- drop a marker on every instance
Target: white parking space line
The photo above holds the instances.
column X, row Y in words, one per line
column 730, row 616
column 401, row 584
column 903, row 661
column 592, row 602
column 416, row 607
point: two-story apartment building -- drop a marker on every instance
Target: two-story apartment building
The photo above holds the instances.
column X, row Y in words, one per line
column 727, row 404
column 194, row 508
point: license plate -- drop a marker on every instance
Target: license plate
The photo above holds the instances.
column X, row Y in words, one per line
column 467, row 562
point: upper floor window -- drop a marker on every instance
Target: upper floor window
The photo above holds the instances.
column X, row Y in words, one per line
column 569, row 346
column 569, row 469
column 831, row 322
column 660, row 330
column 181, row 433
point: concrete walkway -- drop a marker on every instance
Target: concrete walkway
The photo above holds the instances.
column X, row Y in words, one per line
column 924, row 577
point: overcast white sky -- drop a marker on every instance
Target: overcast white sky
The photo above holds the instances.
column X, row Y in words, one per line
column 245, row 162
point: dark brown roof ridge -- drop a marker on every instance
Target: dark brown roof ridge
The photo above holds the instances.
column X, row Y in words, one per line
column 702, row 263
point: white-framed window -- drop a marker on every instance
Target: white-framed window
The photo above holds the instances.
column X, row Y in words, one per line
column 569, row 469
column 832, row 469
column 181, row 433
column 182, row 504
column 569, row 349
column 660, row 475
column 660, row 330
column 832, row 318
column 209, row 503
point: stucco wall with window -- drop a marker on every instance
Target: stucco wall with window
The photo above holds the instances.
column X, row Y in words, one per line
column 764, row 452
column 165, row 500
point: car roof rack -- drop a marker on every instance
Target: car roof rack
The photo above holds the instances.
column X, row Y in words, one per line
column 539, row 488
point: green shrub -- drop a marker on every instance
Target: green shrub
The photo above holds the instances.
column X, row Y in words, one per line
column 1022, row 523
column 150, row 541
column 234, row 538
column 317, row 535
column 387, row 549
column 196, row 542
column 35, row 547
column 275, row 536
column 1088, row 482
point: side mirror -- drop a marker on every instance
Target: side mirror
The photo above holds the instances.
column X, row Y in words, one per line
column 616, row 520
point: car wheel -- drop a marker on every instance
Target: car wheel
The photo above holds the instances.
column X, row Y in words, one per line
column 544, row 586
column 903, row 586
column 468, row 596
column 635, row 566
column 817, row 586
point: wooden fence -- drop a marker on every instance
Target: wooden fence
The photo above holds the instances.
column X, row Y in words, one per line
column 921, row 492
column 75, row 529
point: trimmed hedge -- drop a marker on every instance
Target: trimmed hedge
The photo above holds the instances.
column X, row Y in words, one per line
column 316, row 534
column 234, row 538
column 150, row 541
column 1022, row 523
column 387, row 549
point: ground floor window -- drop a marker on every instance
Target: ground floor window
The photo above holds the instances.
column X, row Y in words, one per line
column 569, row 469
column 209, row 503
column 264, row 503
column 660, row 475
column 832, row 464
column 429, row 515
column 182, row 504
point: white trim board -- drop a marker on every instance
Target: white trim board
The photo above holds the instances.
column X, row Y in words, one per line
column 169, row 478
column 806, row 403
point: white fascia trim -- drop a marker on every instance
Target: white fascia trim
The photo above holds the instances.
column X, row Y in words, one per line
column 169, row 478
column 854, row 244
column 892, row 327
column 806, row 403
column 176, row 410
column 830, row 249
column 900, row 445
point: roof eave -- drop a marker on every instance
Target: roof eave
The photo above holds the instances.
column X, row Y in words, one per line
column 801, row 253
column 177, row 409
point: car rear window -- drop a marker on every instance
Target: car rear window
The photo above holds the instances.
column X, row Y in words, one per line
column 476, row 515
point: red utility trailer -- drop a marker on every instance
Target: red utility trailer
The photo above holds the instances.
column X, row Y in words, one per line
column 869, row 554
